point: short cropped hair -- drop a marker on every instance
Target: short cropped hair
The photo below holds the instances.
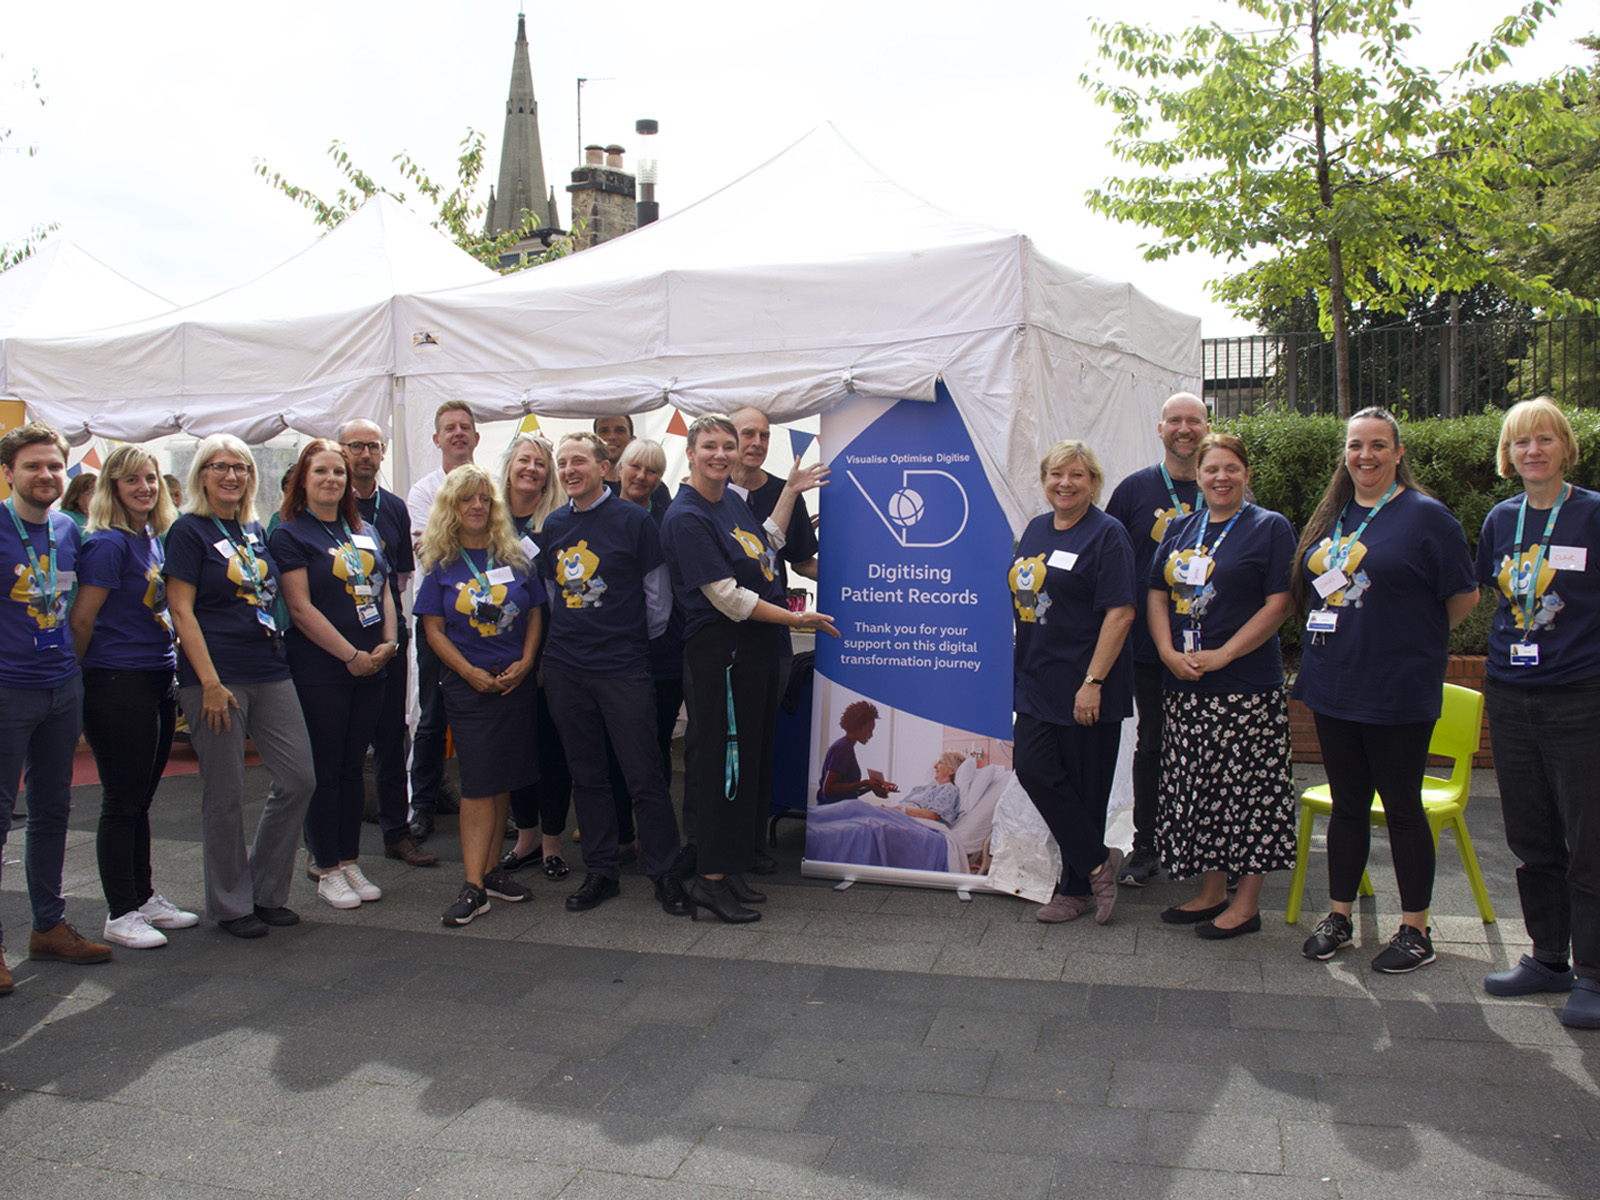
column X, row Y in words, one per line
column 1066, row 451
column 1522, row 419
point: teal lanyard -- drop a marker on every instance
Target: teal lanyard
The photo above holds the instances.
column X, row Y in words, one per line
column 1529, row 597
column 730, row 774
column 348, row 551
column 1166, row 478
column 1340, row 553
column 44, row 579
column 247, row 559
column 488, row 591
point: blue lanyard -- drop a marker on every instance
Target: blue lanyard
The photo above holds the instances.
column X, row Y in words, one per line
column 1200, row 541
column 246, row 557
column 348, row 551
column 1339, row 554
column 1166, row 478
column 488, row 590
column 44, row 580
column 1529, row 597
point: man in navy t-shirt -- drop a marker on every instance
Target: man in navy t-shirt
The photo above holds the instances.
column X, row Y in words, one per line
column 762, row 491
column 609, row 595
column 1145, row 502
column 387, row 518
column 41, row 691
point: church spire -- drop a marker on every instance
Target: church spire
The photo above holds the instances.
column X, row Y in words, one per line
column 522, row 180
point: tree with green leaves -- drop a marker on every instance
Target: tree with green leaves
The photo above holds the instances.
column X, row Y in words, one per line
column 11, row 253
column 1313, row 152
column 458, row 212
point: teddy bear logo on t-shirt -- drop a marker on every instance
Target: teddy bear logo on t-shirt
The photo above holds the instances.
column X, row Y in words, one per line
column 1027, row 590
column 577, row 567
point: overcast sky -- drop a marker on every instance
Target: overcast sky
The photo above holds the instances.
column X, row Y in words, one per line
column 155, row 113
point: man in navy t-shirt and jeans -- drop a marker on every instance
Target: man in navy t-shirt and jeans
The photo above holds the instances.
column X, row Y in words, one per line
column 41, row 690
column 609, row 595
column 1145, row 502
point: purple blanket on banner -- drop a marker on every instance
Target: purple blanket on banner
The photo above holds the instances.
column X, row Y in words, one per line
column 853, row 831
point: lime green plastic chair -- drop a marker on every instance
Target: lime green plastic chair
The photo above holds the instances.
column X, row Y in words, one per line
column 1455, row 737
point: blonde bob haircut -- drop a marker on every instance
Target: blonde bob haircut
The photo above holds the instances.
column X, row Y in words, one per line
column 646, row 453
column 106, row 510
column 441, row 541
column 1527, row 417
column 214, row 445
column 1066, row 451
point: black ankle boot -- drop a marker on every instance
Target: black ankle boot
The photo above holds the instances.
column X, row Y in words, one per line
column 715, row 897
column 742, row 891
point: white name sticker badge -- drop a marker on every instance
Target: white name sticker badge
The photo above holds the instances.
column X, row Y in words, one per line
column 1063, row 560
column 1330, row 582
column 1524, row 654
column 500, row 575
column 1194, row 571
column 364, row 540
column 223, row 547
column 1323, row 620
column 65, row 580
column 361, row 589
column 1569, row 558
column 530, row 548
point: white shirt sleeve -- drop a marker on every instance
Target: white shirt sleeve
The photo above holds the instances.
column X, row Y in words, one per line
column 729, row 599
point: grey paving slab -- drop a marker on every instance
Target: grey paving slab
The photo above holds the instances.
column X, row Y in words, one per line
column 761, row 1160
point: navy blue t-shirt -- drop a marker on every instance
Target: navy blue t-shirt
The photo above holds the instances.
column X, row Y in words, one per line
column 800, row 540
column 1062, row 583
column 1255, row 560
column 594, row 563
column 1566, row 614
column 1144, row 507
column 387, row 513
column 705, row 542
column 660, row 498
column 490, row 641
column 132, row 630
column 1385, row 663
column 28, row 613
column 323, row 553
column 242, row 648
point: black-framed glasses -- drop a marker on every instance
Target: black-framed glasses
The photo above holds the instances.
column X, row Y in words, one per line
column 363, row 447
column 228, row 468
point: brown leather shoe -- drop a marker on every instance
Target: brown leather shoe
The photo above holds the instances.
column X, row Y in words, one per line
column 6, row 986
column 409, row 851
column 65, row 944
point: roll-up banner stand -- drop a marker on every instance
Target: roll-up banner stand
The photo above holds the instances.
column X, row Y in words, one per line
column 915, row 550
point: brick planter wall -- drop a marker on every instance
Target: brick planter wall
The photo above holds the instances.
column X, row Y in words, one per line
column 1464, row 670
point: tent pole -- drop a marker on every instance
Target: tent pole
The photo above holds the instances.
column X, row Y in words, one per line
column 399, row 462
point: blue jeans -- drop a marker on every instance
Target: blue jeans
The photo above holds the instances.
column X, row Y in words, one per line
column 1547, row 762
column 39, row 735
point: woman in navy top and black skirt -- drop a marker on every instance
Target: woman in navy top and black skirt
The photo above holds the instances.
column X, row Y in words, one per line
column 1385, row 574
column 1072, row 589
column 1543, row 698
column 233, row 681
column 123, row 636
column 724, row 577
column 1218, row 591
column 335, row 580
column 479, row 601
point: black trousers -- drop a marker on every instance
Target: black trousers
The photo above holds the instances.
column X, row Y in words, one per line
column 1068, row 771
column 1387, row 759
column 741, row 656
column 390, row 745
column 545, row 802
column 128, row 717
column 340, row 719
column 428, row 743
column 1147, row 698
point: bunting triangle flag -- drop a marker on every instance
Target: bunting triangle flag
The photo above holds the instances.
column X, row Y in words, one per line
column 530, row 424
column 677, row 425
column 92, row 459
column 801, row 441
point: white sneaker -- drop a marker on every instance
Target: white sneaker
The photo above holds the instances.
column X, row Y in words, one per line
column 360, row 884
column 133, row 931
column 164, row 914
column 335, row 889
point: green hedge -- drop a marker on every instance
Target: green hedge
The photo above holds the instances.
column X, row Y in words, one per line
column 1292, row 456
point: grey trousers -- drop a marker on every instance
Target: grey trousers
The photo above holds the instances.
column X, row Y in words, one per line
column 239, row 880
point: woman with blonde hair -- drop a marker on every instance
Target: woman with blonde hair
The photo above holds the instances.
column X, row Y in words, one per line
column 122, row 634
column 1543, row 699
column 233, row 682
column 479, row 603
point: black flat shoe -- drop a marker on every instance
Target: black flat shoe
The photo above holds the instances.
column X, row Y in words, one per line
column 512, row 861
column 670, row 895
column 247, row 926
column 555, row 867
column 1192, row 916
column 714, row 896
column 278, row 916
column 1213, row 932
column 742, row 891
column 421, row 827
column 594, row 891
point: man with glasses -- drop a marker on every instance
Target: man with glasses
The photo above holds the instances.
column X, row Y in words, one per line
column 386, row 514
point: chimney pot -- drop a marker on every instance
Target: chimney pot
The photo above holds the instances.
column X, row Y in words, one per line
column 614, row 154
column 593, row 156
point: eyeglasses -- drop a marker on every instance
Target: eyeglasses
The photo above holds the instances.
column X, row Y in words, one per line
column 364, row 447
column 228, row 468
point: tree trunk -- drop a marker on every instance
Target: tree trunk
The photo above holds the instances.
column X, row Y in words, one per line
column 1336, row 300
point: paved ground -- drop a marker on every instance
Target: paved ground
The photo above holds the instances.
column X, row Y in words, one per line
column 867, row 1043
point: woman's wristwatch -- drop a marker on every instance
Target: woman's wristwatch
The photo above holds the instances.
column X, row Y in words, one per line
column 1088, row 678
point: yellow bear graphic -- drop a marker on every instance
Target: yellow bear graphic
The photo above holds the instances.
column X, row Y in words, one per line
column 1515, row 576
column 575, row 568
column 1027, row 589
column 468, row 597
column 1165, row 517
column 1318, row 563
column 341, row 567
column 756, row 549
column 25, row 591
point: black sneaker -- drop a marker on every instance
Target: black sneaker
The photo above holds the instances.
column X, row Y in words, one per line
column 1332, row 935
column 1139, row 868
column 1409, row 949
column 499, row 884
column 469, row 904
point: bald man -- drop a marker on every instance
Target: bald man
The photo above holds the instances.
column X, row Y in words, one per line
column 1145, row 502
column 755, row 439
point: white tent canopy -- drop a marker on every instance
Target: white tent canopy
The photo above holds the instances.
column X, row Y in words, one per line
column 306, row 346
column 62, row 289
column 812, row 277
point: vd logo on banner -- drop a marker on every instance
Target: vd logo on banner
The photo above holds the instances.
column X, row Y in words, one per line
column 929, row 509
